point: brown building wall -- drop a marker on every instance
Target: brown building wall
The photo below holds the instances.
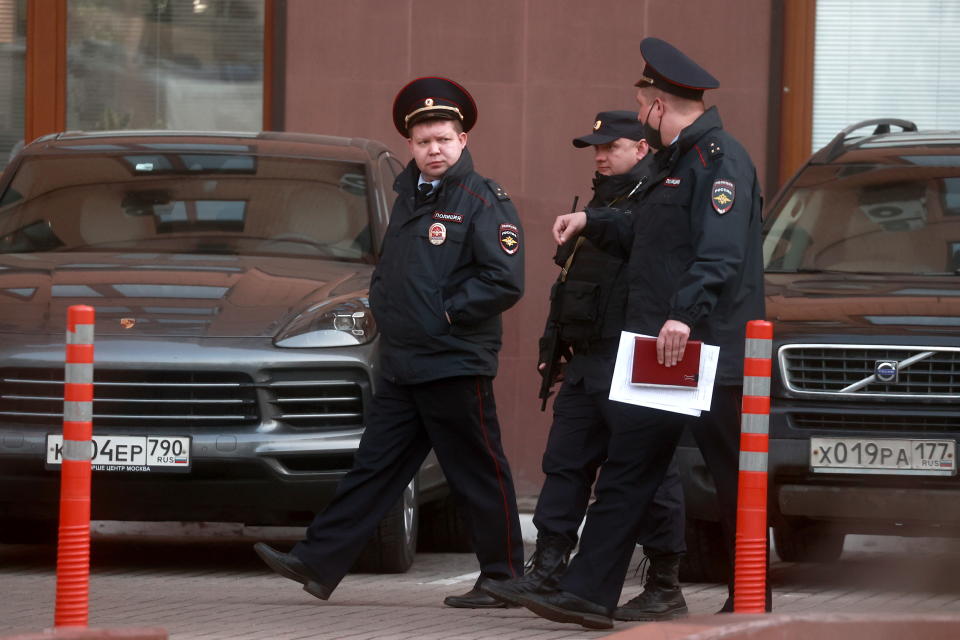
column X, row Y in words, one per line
column 539, row 70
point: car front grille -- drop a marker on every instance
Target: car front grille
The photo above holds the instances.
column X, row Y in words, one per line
column 850, row 371
column 317, row 400
column 156, row 399
column 919, row 423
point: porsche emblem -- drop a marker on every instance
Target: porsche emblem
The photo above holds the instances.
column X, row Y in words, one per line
column 128, row 323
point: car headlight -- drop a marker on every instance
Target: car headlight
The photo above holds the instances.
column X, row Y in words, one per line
column 333, row 323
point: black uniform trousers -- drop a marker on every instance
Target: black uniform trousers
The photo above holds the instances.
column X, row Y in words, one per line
column 457, row 417
column 717, row 434
column 642, row 444
column 576, row 447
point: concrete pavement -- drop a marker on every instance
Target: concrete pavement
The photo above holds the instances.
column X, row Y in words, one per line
column 217, row 588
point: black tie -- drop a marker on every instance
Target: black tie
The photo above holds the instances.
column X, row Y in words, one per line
column 425, row 188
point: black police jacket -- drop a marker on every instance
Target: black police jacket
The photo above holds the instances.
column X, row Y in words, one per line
column 587, row 309
column 458, row 252
column 695, row 253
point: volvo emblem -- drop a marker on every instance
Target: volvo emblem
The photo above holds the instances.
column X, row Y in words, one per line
column 886, row 370
column 127, row 323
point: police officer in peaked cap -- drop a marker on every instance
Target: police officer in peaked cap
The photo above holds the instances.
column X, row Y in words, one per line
column 695, row 272
column 452, row 263
column 587, row 314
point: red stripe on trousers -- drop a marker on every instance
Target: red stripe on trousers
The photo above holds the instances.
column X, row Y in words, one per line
column 503, row 493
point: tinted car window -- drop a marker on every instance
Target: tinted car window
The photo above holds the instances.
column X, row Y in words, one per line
column 868, row 219
column 228, row 203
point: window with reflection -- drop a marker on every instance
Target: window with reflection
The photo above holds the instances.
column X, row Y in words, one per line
column 13, row 52
column 868, row 219
column 165, row 64
column 229, row 204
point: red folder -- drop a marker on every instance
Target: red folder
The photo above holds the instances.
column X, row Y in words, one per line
column 646, row 369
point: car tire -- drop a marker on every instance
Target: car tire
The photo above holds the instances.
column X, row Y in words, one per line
column 706, row 559
column 393, row 546
column 810, row 543
column 28, row 532
column 443, row 528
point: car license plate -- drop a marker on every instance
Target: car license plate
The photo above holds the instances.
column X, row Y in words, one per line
column 130, row 453
column 883, row 455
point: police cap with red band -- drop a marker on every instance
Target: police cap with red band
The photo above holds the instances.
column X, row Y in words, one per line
column 433, row 97
column 671, row 70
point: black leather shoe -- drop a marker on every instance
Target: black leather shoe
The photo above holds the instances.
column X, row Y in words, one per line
column 474, row 599
column 662, row 598
column 510, row 591
column 653, row 605
column 562, row 606
column 504, row 591
column 543, row 572
column 289, row 566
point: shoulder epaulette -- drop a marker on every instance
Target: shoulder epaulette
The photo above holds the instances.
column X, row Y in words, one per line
column 713, row 148
column 498, row 191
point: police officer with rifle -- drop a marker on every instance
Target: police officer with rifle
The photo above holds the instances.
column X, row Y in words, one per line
column 695, row 271
column 587, row 307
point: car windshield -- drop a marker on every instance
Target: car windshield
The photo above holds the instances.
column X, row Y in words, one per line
column 902, row 219
column 188, row 201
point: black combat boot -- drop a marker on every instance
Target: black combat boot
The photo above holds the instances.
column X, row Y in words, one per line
column 544, row 569
column 661, row 598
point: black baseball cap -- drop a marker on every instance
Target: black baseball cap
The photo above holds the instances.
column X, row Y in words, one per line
column 433, row 97
column 610, row 125
column 671, row 70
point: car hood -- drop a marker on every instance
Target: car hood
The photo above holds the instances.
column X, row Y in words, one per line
column 876, row 306
column 170, row 294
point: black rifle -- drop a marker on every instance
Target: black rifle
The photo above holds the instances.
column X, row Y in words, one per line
column 554, row 346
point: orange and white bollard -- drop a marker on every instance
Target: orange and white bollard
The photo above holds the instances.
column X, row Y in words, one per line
column 73, row 549
column 750, row 571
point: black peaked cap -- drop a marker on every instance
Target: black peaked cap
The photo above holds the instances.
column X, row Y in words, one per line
column 670, row 69
column 433, row 97
column 610, row 125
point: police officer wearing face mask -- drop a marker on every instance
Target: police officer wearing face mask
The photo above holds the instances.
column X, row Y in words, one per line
column 695, row 272
column 587, row 310
column 452, row 262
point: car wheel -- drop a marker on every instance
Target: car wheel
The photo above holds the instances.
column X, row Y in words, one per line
column 393, row 546
column 443, row 528
column 28, row 532
column 706, row 559
column 810, row 543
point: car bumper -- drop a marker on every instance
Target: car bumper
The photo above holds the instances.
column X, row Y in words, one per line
column 247, row 478
column 265, row 470
column 854, row 503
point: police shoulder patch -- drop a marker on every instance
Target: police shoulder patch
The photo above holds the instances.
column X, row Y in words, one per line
column 497, row 190
column 509, row 238
column 722, row 195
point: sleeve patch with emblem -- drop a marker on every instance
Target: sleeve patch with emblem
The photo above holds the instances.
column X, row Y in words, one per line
column 722, row 196
column 509, row 238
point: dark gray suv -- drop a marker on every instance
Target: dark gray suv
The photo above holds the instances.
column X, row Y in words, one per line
column 234, row 343
column 862, row 255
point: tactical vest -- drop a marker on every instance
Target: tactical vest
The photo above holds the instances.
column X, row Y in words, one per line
column 591, row 302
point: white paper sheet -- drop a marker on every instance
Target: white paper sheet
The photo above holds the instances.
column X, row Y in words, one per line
column 687, row 401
